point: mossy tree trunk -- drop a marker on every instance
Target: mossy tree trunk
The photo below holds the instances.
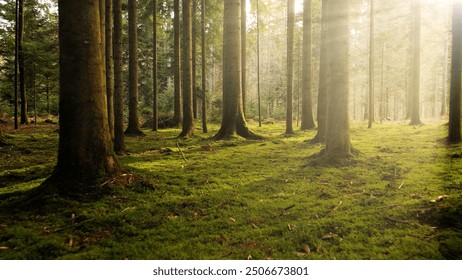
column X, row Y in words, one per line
column 133, row 115
column 456, row 68
column 307, row 105
column 233, row 121
column 194, row 57
column 338, row 145
column 119, row 138
column 244, row 53
column 290, row 64
column 85, row 150
column 188, row 115
column 322, row 91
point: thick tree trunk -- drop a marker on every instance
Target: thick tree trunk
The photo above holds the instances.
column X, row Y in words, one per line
column 456, row 69
column 22, row 67
column 233, row 121
column 155, row 116
column 290, row 64
column 322, row 92
column 133, row 115
column 85, row 152
column 307, row 105
column 16, row 61
column 338, row 144
column 177, row 111
column 188, row 116
column 415, row 107
column 119, row 141
column 194, row 57
column 109, row 65
column 244, row 53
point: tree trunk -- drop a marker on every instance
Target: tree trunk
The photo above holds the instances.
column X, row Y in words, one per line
column 371, row 64
column 258, row 63
column 456, row 68
column 119, row 141
column 188, row 116
column 16, row 61
column 194, row 57
column 133, row 116
column 415, row 109
column 338, row 144
column 155, row 117
column 85, row 151
column 233, row 121
column 322, row 92
column 290, row 64
column 204, row 95
column 244, row 53
column 177, row 113
column 307, row 106
column 109, row 65
column 22, row 67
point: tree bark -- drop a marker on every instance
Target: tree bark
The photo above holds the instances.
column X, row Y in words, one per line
column 244, row 53
column 371, row 63
column 204, row 89
column 415, row 109
column 16, row 61
column 233, row 121
column 109, row 65
column 177, row 111
column 188, row 116
column 22, row 67
column 290, row 64
column 133, row 115
column 322, row 91
column 456, row 69
column 338, row 144
column 119, row 138
column 194, row 57
column 307, row 105
column 85, row 150
column 155, row 117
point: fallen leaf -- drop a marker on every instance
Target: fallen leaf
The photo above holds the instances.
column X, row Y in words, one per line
column 306, row 249
column 291, row 227
column 233, row 220
column 300, row 254
column 249, row 257
column 254, row 226
column 329, row 236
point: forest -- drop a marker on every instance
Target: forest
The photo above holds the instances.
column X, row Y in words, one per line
column 235, row 129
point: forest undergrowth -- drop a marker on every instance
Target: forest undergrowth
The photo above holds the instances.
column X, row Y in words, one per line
column 399, row 198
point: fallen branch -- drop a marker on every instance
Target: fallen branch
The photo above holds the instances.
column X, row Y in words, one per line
column 182, row 154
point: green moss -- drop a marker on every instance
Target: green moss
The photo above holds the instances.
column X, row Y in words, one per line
column 239, row 199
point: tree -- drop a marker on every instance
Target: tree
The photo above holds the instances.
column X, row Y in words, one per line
column 16, row 68
column 21, row 64
column 119, row 141
column 338, row 144
column 85, row 151
column 244, row 52
column 109, row 64
column 194, row 57
column 456, row 68
column 188, row 116
column 203, row 86
column 233, row 121
column 290, row 63
column 307, row 110
column 177, row 113
column 371, row 64
column 133, row 116
column 322, row 91
column 155, row 123
column 415, row 103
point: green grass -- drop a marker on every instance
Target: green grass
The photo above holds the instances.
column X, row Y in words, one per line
column 244, row 199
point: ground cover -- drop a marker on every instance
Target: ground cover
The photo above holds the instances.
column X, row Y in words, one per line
column 399, row 198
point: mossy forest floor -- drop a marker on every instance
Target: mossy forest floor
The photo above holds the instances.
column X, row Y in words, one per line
column 399, row 198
